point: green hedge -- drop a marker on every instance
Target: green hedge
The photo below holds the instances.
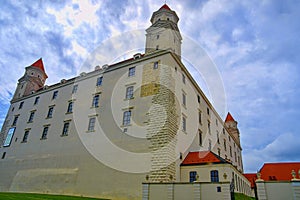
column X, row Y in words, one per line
column 239, row 196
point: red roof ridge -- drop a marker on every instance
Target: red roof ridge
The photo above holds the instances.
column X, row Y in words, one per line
column 165, row 6
column 201, row 157
column 40, row 65
column 229, row 117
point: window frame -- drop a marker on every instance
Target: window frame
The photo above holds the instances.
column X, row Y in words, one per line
column 129, row 92
column 214, row 176
column 99, row 81
column 65, row 129
column 126, row 118
column 95, row 102
column 184, row 125
column 91, row 124
column 25, row 136
column 21, row 104
column 70, row 107
column 192, row 176
column 45, row 133
column 50, row 112
column 131, row 71
column 36, row 100
column 74, row 89
column 55, row 95
column 31, row 116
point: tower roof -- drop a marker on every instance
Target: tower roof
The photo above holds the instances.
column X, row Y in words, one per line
column 229, row 117
column 165, row 6
column 39, row 64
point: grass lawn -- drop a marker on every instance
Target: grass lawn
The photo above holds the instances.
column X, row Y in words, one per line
column 30, row 196
column 239, row 196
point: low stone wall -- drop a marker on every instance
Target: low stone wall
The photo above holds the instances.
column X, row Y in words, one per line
column 278, row 190
column 186, row 191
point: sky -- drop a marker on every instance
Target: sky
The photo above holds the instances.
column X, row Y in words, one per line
column 254, row 45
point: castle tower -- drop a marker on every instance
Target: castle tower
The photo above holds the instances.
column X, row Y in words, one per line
column 33, row 79
column 231, row 126
column 164, row 34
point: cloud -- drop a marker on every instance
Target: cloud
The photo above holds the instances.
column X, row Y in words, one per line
column 285, row 148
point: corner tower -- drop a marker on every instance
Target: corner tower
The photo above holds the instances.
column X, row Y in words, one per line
column 231, row 126
column 33, row 79
column 164, row 34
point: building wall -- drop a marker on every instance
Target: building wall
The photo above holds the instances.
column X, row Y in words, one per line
column 113, row 154
column 187, row 191
column 277, row 190
column 242, row 185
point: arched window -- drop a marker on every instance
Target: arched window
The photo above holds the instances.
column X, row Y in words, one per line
column 193, row 176
column 214, row 176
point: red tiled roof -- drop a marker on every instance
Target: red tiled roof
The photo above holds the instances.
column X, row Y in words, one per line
column 39, row 64
column 202, row 157
column 165, row 6
column 229, row 117
column 279, row 171
column 251, row 178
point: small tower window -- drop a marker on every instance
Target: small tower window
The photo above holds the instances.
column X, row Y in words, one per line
column 157, row 36
column 157, row 47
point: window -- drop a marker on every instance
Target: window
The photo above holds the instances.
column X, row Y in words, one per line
column 91, row 126
column 129, row 92
column 200, row 117
column 235, row 157
column 74, row 90
column 95, row 102
column 25, row 137
column 31, row 116
column 15, row 120
column 99, row 81
column 225, row 145
column 70, row 107
column 214, row 176
column 200, row 138
column 223, row 131
column 219, row 152
column 183, row 123
column 36, row 101
column 157, row 37
column 3, row 155
column 193, row 176
column 13, row 108
column 209, row 144
column 230, row 151
column 65, row 129
column 9, row 137
column 183, row 78
column 208, row 127
column 50, row 112
column 21, row 105
column 155, row 65
column 131, row 71
column 198, row 98
column 45, row 132
column 229, row 139
column 55, row 94
column 157, row 47
column 217, row 122
column 207, row 111
column 126, row 117
column 184, row 99
column 218, row 137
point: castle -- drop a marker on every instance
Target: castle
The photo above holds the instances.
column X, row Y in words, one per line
column 105, row 132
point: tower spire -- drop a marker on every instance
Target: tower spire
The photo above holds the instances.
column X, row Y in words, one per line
column 164, row 34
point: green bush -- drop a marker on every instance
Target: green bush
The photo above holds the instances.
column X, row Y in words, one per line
column 239, row 196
